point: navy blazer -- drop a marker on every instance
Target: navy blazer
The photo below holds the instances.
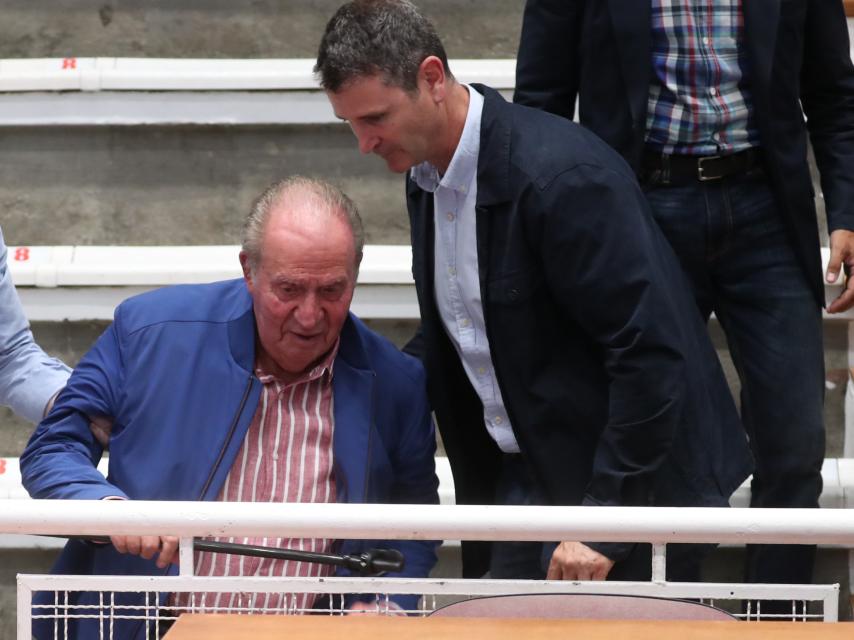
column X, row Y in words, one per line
column 609, row 378
column 598, row 52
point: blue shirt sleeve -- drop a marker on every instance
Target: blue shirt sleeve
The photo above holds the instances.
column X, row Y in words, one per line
column 28, row 376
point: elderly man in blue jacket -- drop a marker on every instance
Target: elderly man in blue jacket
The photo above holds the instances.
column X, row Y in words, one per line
column 264, row 388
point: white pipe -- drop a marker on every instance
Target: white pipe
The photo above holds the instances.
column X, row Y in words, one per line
column 427, row 522
column 184, row 74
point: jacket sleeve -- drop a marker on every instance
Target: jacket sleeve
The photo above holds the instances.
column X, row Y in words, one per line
column 28, row 376
column 610, row 271
column 61, row 457
column 827, row 97
column 547, row 65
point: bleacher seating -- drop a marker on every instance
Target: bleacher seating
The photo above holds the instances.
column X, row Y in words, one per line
column 86, row 283
column 147, row 91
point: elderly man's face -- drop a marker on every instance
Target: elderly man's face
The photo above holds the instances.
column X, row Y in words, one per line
column 301, row 288
column 396, row 125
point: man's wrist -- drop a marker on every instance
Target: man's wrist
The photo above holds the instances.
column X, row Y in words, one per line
column 49, row 405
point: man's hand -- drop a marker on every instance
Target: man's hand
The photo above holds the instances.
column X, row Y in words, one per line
column 841, row 252
column 576, row 561
column 376, row 608
column 148, row 546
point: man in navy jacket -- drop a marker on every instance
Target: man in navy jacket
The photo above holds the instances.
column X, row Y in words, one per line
column 566, row 361
column 177, row 373
column 711, row 103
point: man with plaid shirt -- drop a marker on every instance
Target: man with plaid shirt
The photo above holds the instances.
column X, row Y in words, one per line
column 711, row 102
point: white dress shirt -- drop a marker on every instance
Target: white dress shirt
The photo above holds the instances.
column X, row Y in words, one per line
column 457, row 285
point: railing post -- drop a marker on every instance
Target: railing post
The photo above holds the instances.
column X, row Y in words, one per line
column 659, row 562
column 848, row 440
column 830, row 606
column 25, row 612
column 185, row 557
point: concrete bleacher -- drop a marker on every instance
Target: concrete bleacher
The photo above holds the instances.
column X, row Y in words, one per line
column 86, row 283
column 145, row 91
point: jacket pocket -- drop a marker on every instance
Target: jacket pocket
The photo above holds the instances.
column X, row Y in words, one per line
column 514, row 288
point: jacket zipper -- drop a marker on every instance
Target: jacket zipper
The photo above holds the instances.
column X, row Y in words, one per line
column 207, row 485
column 231, row 431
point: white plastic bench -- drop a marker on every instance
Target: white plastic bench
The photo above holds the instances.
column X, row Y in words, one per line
column 59, row 283
column 148, row 91
column 87, row 282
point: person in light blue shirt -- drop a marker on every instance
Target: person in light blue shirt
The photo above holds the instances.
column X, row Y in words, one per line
column 29, row 378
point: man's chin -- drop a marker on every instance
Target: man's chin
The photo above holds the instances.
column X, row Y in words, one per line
column 397, row 164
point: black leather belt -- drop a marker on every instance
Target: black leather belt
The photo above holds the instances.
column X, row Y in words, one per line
column 661, row 168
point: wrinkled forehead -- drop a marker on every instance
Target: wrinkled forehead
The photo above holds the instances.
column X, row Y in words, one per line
column 302, row 239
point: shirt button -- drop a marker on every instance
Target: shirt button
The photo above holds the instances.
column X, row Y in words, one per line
column 713, row 91
column 450, row 216
column 465, row 322
column 706, row 41
column 452, row 271
column 498, row 420
column 481, row 371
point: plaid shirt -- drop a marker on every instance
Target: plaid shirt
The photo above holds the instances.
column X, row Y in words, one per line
column 699, row 99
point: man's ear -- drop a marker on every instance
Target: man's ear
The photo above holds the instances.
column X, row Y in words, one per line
column 431, row 72
column 247, row 270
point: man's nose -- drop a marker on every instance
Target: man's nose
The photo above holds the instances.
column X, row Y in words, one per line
column 309, row 312
column 367, row 141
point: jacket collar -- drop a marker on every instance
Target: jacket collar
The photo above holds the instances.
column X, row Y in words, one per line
column 493, row 164
column 353, row 392
column 241, row 330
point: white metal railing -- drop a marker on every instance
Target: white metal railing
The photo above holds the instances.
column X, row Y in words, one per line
column 429, row 522
column 658, row 526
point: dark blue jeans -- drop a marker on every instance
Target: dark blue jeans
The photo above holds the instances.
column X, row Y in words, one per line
column 733, row 247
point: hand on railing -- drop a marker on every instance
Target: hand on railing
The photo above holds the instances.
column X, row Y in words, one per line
column 577, row 561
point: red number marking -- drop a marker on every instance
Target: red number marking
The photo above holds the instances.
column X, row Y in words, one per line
column 22, row 254
column 2, row 466
column 69, row 63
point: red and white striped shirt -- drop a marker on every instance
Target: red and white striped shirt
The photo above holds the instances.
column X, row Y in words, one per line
column 286, row 456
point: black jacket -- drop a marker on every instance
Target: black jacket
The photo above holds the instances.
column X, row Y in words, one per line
column 609, row 378
column 598, row 53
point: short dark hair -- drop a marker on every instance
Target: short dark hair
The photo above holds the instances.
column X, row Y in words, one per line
column 370, row 37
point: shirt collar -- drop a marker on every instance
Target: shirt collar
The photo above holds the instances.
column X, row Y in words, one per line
column 323, row 369
column 463, row 168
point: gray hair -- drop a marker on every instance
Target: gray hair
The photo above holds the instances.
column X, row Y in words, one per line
column 329, row 199
column 370, row 37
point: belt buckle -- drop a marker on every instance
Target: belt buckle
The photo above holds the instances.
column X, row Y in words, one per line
column 701, row 172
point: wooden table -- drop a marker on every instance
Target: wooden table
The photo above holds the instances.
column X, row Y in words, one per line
column 260, row 627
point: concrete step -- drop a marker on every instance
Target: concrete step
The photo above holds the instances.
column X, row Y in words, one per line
column 176, row 185
column 226, row 29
